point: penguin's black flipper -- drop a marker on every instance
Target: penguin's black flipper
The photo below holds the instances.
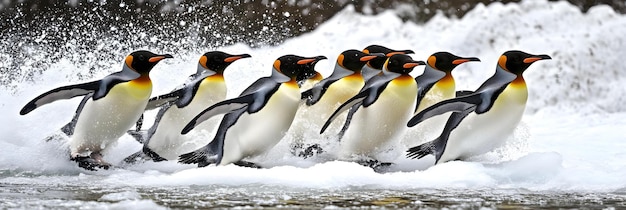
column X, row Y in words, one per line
column 65, row 92
column 463, row 93
column 222, row 107
column 314, row 94
column 131, row 159
column 214, row 151
column 346, row 124
column 306, row 95
column 161, row 100
column 459, row 104
column 358, row 99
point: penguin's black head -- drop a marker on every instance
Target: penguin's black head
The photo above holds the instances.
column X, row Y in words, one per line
column 377, row 63
column 143, row 61
column 446, row 62
column 354, row 60
column 517, row 62
column 403, row 64
column 294, row 66
column 217, row 61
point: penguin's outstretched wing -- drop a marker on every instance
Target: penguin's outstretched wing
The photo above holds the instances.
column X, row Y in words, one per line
column 459, row 104
column 161, row 100
column 313, row 95
column 65, row 92
column 99, row 88
column 366, row 97
column 222, row 107
column 253, row 98
column 214, row 151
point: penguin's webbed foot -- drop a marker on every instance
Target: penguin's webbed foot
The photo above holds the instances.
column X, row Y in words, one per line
column 247, row 164
column 89, row 163
column 421, row 150
column 199, row 156
column 379, row 167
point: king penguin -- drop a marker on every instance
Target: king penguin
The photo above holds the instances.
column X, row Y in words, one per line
column 375, row 66
column 378, row 113
column 110, row 107
column 325, row 96
column 483, row 119
column 205, row 88
column 255, row 121
column 434, row 85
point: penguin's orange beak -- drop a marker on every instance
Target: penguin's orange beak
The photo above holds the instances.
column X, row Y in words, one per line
column 463, row 60
column 536, row 58
column 236, row 57
column 159, row 58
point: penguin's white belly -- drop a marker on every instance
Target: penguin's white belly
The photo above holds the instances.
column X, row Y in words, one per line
column 167, row 141
column 103, row 121
column 256, row 133
column 478, row 134
column 373, row 129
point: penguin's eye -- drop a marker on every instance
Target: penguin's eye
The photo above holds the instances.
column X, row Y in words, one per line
column 141, row 58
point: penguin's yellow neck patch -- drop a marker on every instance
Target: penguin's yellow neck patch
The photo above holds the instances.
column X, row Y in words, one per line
column 142, row 81
column 447, row 80
column 214, row 78
column 518, row 82
column 404, row 80
column 356, row 76
column 292, row 83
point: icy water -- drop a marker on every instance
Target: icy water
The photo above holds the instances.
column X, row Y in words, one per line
column 568, row 151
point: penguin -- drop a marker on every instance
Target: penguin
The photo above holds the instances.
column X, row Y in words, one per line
column 205, row 88
column 378, row 113
column 375, row 66
column 481, row 120
column 255, row 121
column 325, row 96
column 434, row 85
column 110, row 107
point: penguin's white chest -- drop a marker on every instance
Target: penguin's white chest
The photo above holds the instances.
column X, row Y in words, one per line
column 103, row 121
column 167, row 140
column 256, row 133
column 373, row 129
column 478, row 134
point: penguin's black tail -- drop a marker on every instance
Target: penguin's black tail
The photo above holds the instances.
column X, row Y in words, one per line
column 421, row 151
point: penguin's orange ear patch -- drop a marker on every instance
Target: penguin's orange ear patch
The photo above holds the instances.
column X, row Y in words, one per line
column 502, row 62
column 366, row 51
column 432, row 60
column 203, row 61
column 277, row 65
column 129, row 61
column 340, row 60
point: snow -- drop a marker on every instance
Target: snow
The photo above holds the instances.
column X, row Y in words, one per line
column 571, row 138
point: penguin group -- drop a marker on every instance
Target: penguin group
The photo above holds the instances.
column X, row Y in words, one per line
column 364, row 108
